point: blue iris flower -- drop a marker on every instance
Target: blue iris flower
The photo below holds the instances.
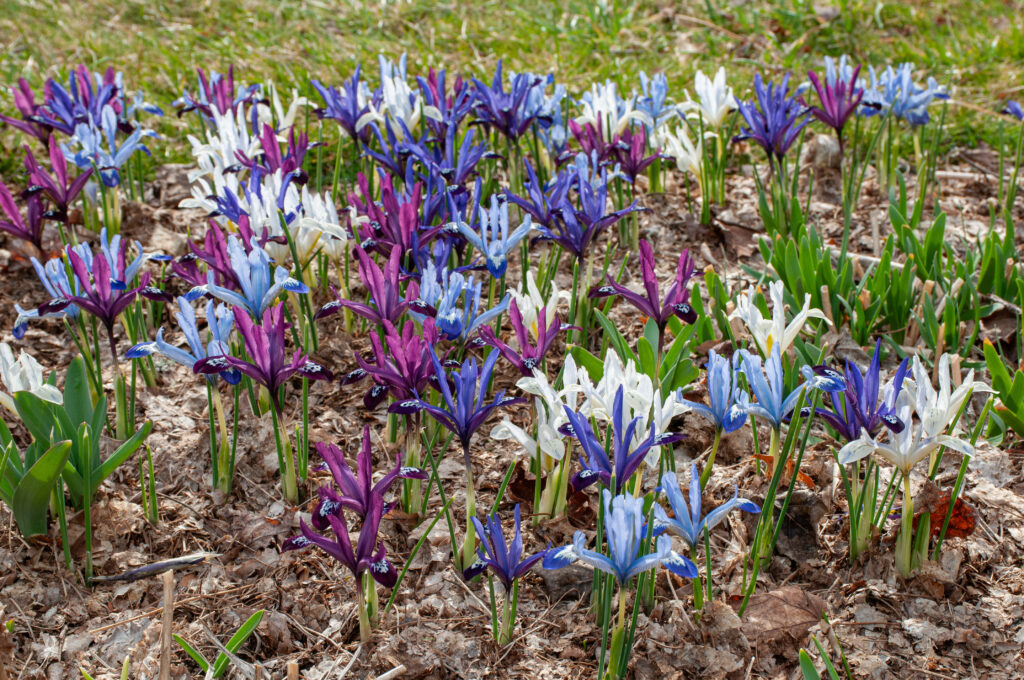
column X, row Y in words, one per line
column 219, row 320
column 688, row 523
column 723, row 391
column 254, row 276
column 767, row 386
column 98, row 147
column 494, row 240
column 458, row 306
column 625, row 533
column 896, row 90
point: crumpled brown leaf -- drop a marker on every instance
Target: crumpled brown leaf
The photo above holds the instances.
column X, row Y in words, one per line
column 780, row 619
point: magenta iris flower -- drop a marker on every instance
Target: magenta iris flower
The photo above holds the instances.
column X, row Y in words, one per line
column 629, row 151
column 401, row 363
column 358, row 489
column 265, row 345
column 677, row 298
column 528, row 356
column 386, row 301
column 102, row 290
column 33, row 120
column 368, row 555
column 393, row 220
column 59, row 188
column 27, row 228
column 591, row 139
column 839, row 100
column 774, row 120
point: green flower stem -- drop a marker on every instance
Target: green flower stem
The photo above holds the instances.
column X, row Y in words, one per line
column 705, row 474
column 285, row 454
column 905, row 539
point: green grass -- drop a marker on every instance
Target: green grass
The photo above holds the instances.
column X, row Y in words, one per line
column 976, row 48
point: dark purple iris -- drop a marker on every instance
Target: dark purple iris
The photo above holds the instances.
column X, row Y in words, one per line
column 504, row 559
column 677, row 298
column 528, row 356
column 857, row 408
column 596, row 466
column 357, row 490
column 775, row 120
column 369, row 554
column 505, row 111
column 465, row 411
column 342, row 106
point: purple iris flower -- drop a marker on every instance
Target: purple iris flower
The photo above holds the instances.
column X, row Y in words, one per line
column 57, row 188
column 102, row 290
column 216, row 93
column 452, row 107
column 501, row 557
column 1013, row 108
column 386, row 299
column 265, row 344
column 357, row 490
column 505, row 111
column 775, row 121
column 271, row 160
column 839, row 100
column 369, row 554
column 576, row 228
column 857, row 408
column 596, row 466
column 343, row 107
column 393, row 219
column 466, row 411
column 687, row 523
column 33, row 120
column 543, row 203
column 629, row 149
column 401, row 363
column 528, row 356
column 454, row 166
column 28, row 228
column 677, row 298
column 592, row 142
